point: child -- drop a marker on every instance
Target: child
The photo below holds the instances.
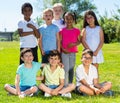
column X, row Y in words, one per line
column 54, row 77
column 87, row 77
column 69, row 40
column 93, row 37
column 25, row 81
column 28, row 31
column 49, row 36
column 58, row 12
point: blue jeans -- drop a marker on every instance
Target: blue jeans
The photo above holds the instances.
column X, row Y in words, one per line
column 68, row 61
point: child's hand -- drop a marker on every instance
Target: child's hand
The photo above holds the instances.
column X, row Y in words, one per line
column 42, row 52
column 97, row 91
column 61, row 65
column 54, row 92
column 65, row 51
column 102, row 90
column 71, row 45
column 95, row 53
column 31, row 26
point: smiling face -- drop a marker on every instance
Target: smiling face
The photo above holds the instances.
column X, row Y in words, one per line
column 54, row 60
column 27, row 13
column 86, row 59
column 58, row 11
column 90, row 20
column 27, row 57
column 48, row 16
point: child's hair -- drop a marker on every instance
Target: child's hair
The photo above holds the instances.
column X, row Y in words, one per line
column 25, row 50
column 26, row 5
column 87, row 51
column 48, row 10
column 54, row 53
column 72, row 14
column 89, row 12
column 58, row 5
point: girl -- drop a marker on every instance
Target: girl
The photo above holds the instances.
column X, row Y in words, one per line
column 69, row 40
column 87, row 77
column 93, row 37
column 58, row 12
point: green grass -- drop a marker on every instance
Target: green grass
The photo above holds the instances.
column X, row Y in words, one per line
column 109, row 71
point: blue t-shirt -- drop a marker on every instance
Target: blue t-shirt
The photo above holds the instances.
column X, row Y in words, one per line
column 49, row 41
column 28, row 75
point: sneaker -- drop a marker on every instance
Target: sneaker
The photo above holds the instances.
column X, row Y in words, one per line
column 22, row 95
column 30, row 95
column 68, row 95
column 47, row 94
column 109, row 93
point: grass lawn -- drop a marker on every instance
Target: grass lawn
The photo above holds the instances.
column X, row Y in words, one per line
column 109, row 71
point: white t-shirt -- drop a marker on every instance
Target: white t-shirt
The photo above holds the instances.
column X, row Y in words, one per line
column 59, row 23
column 81, row 74
column 28, row 41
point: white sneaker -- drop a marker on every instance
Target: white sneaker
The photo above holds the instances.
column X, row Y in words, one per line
column 22, row 95
column 47, row 94
column 68, row 95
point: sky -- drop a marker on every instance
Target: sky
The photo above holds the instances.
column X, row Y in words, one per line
column 10, row 11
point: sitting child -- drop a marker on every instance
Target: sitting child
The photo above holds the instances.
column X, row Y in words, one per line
column 25, row 81
column 87, row 77
column 54, row 77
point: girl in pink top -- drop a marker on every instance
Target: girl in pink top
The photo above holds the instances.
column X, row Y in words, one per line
column 69, row 40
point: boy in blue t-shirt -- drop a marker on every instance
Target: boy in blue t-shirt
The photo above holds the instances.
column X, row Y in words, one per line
column 25, row 81
column 49, row 36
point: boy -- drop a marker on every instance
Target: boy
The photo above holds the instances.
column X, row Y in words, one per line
column 49, row 36
column 58, row 12
column 87, row 77
column 25, row 81
column 28, row 32
column 54, row 77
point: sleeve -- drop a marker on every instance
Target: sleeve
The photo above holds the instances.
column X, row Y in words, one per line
column 37, row 64
column 57, row 29
column 40, row 30
column 78, row 32
column 43, row 71
column 95, row 72
column 20, row 25
column 19, row 70
column 36, row 25
column 79, row 74
column 62, row 73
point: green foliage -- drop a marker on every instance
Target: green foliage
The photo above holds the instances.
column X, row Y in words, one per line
column 109, row 71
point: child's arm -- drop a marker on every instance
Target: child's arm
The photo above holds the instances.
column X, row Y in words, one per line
column 101, row 42
column 58, row 42
column 17, row 80
column 40, row 45
column 95, row 89
column 83, row 34
column 36, row 33
column 56, row 91
column 40, row 78
column 21, row 33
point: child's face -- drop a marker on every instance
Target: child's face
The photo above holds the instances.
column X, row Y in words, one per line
column 90, row 19
column 54, row 60
column 58, row 11
column 48, row 16
column 86, row 59
column 27, row 12
column 69, row 20
column 27, row 57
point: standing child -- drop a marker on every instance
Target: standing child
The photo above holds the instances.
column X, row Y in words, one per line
column 54, row 77
column 93, row 37
column 87, row 77
column 69, row 40
column 58, row 12
column 49, row 36
column 25, row 81
column 28, row 32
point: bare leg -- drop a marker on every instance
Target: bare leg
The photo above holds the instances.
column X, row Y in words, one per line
column 10, row 89
column 86, row 90
column 45, row 88
column 67, row 89
column 31, row 90
column 107, row 86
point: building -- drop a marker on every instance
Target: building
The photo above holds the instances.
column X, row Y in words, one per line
column 6, row 36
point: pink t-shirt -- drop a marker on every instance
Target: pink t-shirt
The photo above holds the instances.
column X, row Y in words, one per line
column 70, row 36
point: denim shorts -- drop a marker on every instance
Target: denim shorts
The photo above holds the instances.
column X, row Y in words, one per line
column 22, row 88
column 52, row 86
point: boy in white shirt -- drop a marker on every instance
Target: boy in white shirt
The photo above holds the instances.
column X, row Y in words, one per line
column 28, row 31
column 87, row 77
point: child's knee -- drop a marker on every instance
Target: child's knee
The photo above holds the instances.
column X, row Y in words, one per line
column 34, row 89
column 6, row 86
column 72, row 86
